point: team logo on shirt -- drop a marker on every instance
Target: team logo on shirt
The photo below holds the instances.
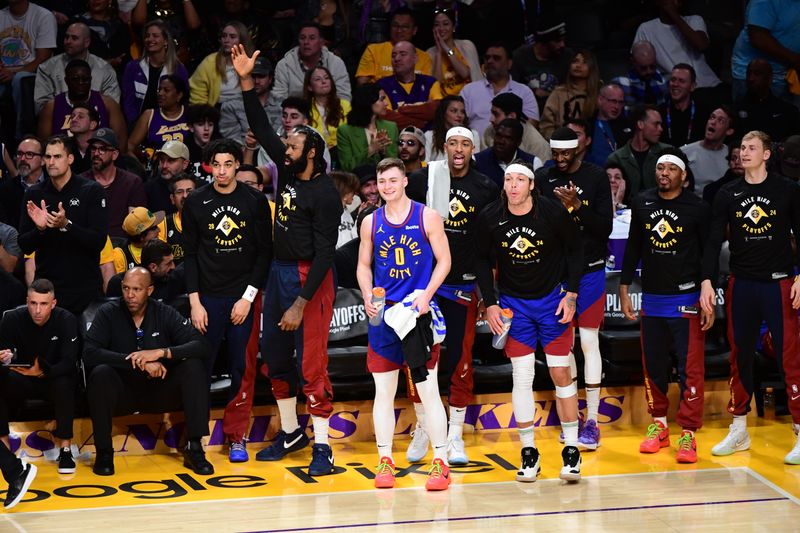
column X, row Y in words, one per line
column 399, row 252
column 287, row 204
column 460, row 209
column 755, row 214
column 663, row 228
column 521, row 244
column 227, row 225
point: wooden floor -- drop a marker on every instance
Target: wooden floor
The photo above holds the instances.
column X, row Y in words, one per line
column 622, row 491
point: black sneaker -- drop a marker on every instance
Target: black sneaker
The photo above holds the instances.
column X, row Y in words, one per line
column 529, row 469
column 195, row 458
column 571, row 471
column 104, row 463
column 284, row 443
column 18, row 487
column 66, row 464
column 321, row 460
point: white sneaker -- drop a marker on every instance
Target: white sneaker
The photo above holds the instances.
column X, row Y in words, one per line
column 529, row 468
column 571, row 470
column 418, row 447
column 793, row 457
column 737, row 440
column 456, row 456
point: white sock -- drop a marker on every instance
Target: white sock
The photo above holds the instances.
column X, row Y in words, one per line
column 288, row 413
column 419, row 409
column 662, row 419
column 740, row 422
column 383, row 410
column 385, row 450
column 526, row 437
column 592, row 403
column 570, row 430
column 320, row 429
column 456, row 429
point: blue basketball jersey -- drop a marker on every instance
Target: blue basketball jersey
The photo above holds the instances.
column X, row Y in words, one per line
column 402, row 256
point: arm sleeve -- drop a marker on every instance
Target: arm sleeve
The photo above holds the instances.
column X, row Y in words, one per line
column 633, row 249
column 185, row 342
column 327, row 215
column 486, row 260
column 598, row 219
column 716, row 236
column 96, row 350
column 259, row 122
column 93, row 236
column 190, row 246
column 263, row 230
column 67, row 347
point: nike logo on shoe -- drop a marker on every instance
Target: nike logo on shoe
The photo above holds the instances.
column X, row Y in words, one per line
column 287, row 445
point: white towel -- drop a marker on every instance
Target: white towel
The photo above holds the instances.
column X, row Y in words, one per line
column 402, row 318
column 438, row 197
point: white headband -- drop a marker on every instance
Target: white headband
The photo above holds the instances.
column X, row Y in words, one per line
column 519, row 169
column 669, row 158
column 461, row 132
column 563, row 144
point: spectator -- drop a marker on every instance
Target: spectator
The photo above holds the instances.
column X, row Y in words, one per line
column 346, row 259
column 290, row 71
column 203, row 121
column 678, row 39
column 616, row 180
column 576, row 97
column 141, row 226
column 708, row 157
column 182, row 20
column 167, row 122
column 645, row 83
column 682, row 113
column 759, row 109
column 50, row 74
column 29, row 173
column 735, row 171
column 478, row 95
column 367, row 187
column 542, row 64
column 328, row 111
column 168, row 283
column 449, row 114
column 111, row 37
column 130, row 341
column 55, row 115
column 610, row 129
column 83, row 122
column 638, row 157
column 31, row 38
column 376, row 62
column 10, row 254
column 232, row 122
column 124, row 190
column 366, row 138
column 404, row 86
column 66, row 217
column 455, row 61
column 180, row 187
column 46, row 337
column 581, row 128
column 173, row 158
column 140, row 80
column 347, row 185
column 506, row 148
column 411, row 148
column 769, row 33
column 509, row 105
column 214, row 80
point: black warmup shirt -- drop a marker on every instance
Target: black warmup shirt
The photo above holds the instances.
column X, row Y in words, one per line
column 533, row 252
column 760, row 219
column 307, row 212
column 55, row 342
column 668, row 236
column 227, row 240
column 468, row 196
column 69, row 258
column 596, row 214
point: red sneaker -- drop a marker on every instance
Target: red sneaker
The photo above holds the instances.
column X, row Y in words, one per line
column 687, row 448
column 384, row 478
column 438, row 476
column 657, row 437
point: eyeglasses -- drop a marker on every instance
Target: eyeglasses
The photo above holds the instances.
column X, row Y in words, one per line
column 28, row 155
column 139, row 338
column 100, row 149
column 408, row 142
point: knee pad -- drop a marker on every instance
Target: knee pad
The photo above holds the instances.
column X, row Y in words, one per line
column 523, row 371
column 385, row 386
column 567, row 392
column 593, row 363
column 557, row 361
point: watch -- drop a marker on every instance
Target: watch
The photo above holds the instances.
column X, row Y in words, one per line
column 67, row 226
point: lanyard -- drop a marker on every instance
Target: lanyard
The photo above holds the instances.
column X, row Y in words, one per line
column 691, row 121
column 612, row 143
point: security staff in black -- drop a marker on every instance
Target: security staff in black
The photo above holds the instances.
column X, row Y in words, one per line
column 144, row 356
column 66, row 224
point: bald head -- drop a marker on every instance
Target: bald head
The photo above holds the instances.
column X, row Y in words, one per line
column 759, row 77
column 643, row 59
column 139, row 275
column 404, row 57
column 77, row 39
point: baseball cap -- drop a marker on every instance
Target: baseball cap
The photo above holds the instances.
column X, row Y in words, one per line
column 509, row 103
column 141, row 219
column 790, row 157
column 365, row 173
column 174, row 149
column 416, row 132
column 549, row 28
column 262, row 66
column 105, row 136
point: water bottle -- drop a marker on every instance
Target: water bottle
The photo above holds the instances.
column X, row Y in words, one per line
column 769, row 404
column 611, row 262
column 379, row 301
column 499, row 341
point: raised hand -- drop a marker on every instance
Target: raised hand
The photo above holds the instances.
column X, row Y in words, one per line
column 38, row 214
column 242, row 63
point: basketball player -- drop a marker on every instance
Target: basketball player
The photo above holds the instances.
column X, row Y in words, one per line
column 17, row 473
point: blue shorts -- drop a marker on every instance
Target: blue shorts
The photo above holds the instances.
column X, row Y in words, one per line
column 385, row 350
column 535, row 322
column 591, row 303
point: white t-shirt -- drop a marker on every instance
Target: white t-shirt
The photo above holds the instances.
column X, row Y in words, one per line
column 707, row 165
column 20, row 37
column 347, row 229
column 672, row 48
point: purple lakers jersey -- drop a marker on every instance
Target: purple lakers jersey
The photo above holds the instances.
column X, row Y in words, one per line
column 163, row 129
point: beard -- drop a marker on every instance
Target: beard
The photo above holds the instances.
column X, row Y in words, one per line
column 24, row 170
column 295, row 166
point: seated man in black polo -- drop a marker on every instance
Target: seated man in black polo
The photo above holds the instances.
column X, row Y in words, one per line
column 38, row 350
column 145, row 357
column 168, row 281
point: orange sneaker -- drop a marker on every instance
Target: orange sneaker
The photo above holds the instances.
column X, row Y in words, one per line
column 384, row 478
column 438, row 476
column 657, row 437
column 687, row 447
